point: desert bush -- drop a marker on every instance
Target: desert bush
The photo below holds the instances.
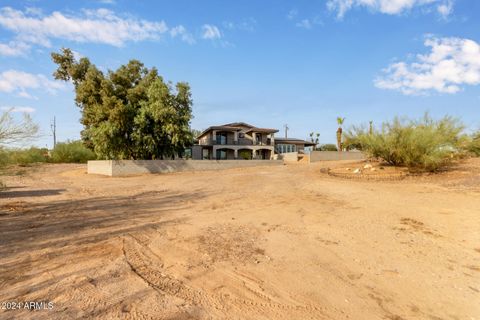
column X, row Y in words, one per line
column 4, row 157
column 328, row 147
column 24, row 156
column 423, row 144
column 71, row 151
column 473, row 145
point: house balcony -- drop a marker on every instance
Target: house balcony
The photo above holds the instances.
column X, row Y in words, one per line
column 240, row 142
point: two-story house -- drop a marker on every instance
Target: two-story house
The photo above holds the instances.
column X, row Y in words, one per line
column 236, row 140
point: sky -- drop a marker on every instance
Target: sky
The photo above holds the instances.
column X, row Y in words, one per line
column 268, row 63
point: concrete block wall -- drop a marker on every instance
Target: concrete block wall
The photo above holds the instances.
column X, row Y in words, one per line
column 335, row 155
column 132, row 167
column 103, row 167
column 289, row 156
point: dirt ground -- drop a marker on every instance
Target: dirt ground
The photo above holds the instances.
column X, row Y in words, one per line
column 286, row 242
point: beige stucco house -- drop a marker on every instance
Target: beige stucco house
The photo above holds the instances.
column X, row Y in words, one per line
column 241, row 140
column 236, row 140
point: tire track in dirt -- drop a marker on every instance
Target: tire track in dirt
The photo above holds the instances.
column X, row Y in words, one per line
column 146, row 265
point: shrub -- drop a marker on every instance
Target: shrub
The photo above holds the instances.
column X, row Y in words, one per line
column 423, row 144
column 71, row 151
column 474, row 145
column 24, row 156
column 4, row 157
column 328, row 147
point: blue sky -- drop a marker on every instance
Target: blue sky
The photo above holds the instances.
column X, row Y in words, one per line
column 264, row 62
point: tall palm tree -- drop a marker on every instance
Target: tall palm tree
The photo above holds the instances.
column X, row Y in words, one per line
column 340, row 122
column 315, row 138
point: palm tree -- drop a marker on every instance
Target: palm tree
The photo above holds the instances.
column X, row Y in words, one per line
column 315, row 138
column 340, row 121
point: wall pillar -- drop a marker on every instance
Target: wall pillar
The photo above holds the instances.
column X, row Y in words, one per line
column 235, row 137
column 235, row 154
column 214, row 136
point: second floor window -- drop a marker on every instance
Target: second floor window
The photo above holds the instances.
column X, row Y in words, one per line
column 221, row 138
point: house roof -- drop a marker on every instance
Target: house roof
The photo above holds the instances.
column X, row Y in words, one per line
column 263, row 130
column 295, row 141
column 238, row 126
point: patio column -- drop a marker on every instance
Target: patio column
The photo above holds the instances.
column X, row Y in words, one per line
column 254, row 138
column 214, row 136
column 214, row 153
column 235, row 137
column 235, row 154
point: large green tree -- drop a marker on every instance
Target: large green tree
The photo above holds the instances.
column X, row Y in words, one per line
column 129, row 113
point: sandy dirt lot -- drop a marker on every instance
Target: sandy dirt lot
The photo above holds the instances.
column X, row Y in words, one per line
column 285, row 242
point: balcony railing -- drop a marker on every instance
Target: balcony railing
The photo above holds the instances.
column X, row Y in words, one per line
column 228, row 141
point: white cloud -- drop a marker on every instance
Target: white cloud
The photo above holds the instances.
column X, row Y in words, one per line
column 305, row 23
column 248, row 24
column 308, row 23
column 210, row 32
column 292, row 14
column 97, row 26
column 393, row 7
column 450, row 64
column 13, row 48
column 18, row 82
column 18, row 109
column 445, row 9
column 182, row 32
column 34, row 11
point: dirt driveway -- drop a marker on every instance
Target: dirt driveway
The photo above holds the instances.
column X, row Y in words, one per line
column 285, row 242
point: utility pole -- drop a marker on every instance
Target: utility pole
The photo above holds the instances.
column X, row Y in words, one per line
column 286, row 130
column 53, row 126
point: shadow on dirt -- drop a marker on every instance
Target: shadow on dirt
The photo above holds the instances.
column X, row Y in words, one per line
column 56, row 224
column 38, row 241
column 31, row 193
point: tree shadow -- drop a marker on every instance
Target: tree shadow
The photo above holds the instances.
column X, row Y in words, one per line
column 66, row 222
column 47, row 238
column 31, row 193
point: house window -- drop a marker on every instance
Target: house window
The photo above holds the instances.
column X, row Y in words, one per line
column 221, row 155
column 285, row 148
column 221, row 138
column 205, row 154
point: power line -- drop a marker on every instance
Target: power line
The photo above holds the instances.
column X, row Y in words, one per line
column 53, row 126
column 286, row 130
